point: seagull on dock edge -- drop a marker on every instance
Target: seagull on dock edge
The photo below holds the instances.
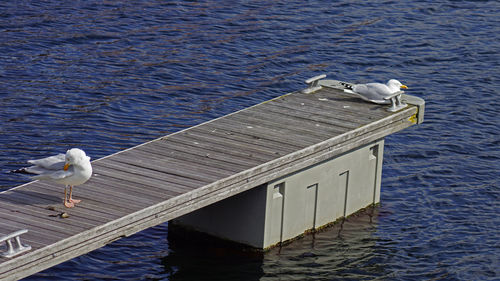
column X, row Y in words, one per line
column 375, row 92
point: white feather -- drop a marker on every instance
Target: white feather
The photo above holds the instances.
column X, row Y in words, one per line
column 51, row 168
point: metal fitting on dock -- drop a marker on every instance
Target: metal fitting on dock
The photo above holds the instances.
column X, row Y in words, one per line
column 313, row 84
column 396, row 103
column 11, row 249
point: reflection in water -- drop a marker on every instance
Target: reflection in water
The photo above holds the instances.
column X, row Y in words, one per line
column 345, row 249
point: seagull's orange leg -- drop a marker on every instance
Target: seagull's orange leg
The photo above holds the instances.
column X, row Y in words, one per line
column 71, row 200
column 67, row 204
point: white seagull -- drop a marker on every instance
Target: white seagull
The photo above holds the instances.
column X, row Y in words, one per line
column 70, row 169
column 375, row 92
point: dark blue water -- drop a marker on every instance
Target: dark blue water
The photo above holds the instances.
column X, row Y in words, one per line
column 107, row 75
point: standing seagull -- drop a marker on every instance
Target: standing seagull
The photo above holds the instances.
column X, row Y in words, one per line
column 375, row 92
column 71, row 169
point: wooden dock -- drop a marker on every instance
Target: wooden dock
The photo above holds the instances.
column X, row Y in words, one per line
column 171, row 176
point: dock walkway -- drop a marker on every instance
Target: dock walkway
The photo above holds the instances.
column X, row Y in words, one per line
column 171, row 176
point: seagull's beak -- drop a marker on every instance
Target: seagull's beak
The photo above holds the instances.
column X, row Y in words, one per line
column 66, row 166
column 403, row 87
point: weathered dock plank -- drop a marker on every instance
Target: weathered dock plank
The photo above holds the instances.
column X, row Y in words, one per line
column 243, row 136
column 193, row 153
column 117, row 171
column 171, row 176
column 247, row 149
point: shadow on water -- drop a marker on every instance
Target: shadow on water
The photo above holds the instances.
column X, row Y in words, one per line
column 197, row 256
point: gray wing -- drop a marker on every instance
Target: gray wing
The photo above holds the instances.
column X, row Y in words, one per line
column 374, row 92
column 46, row 165
column 54, row 175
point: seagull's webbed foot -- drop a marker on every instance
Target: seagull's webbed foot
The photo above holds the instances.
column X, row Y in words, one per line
column 69, row 204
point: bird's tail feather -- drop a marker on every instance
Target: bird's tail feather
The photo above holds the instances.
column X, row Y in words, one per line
column 346, row 85
column 21, row 171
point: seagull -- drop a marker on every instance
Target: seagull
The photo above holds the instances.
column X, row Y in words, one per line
column 375, row 92
column 70, row 169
